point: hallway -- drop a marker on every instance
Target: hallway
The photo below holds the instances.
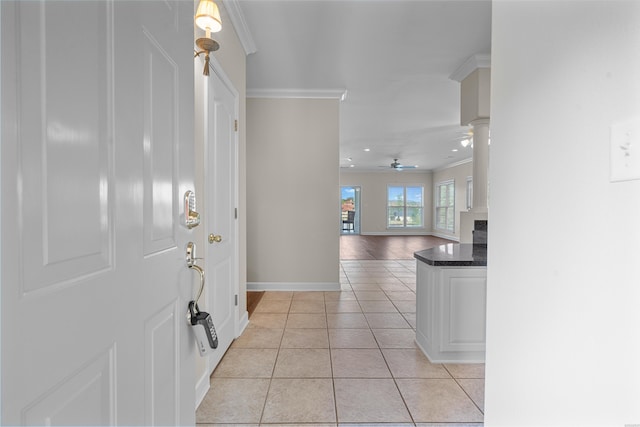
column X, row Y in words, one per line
column 341, row 358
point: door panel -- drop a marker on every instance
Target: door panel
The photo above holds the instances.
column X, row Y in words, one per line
column 162, row 366
column 91, row 387
column 160, row 147
column 97, row 147
column 56, row 248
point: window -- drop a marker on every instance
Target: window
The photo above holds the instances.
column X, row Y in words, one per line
column 405, row 206
column 445, row 206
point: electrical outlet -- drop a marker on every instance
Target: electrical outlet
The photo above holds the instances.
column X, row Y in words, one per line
column 625, row 151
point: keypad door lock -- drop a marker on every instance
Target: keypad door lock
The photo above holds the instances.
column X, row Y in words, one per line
column 191, row 216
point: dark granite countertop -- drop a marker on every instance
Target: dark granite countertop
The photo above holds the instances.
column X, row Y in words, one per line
column 454, row 255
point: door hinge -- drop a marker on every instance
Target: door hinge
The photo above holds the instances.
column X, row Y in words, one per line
column 236, row 299
column 235, row 126
column 236, row 213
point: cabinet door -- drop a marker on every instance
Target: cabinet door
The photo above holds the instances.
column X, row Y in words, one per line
column 463, row 295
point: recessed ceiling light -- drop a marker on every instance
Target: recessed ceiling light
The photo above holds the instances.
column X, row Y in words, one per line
column 352, row 166
column 367, row 149
column 350, row 159
column 465, row 142
column 454, row 150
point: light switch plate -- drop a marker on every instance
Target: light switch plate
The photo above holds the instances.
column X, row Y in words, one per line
column 625, row 150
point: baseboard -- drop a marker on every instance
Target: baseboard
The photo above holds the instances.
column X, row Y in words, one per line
column 397, row 233
column 447, row 236
column 412, row 233
column 202, row 387
column 293, row 286
column 423, row 344
column 244, row 322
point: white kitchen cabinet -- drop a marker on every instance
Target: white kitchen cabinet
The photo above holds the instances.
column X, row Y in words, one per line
column 451, row 312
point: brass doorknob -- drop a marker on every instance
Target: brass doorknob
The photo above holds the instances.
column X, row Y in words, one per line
column 215, row 238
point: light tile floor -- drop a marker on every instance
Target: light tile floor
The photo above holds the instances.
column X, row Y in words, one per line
column 341, row 358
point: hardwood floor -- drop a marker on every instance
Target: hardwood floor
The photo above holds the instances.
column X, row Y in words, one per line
column 253, row 298
column 359, row 247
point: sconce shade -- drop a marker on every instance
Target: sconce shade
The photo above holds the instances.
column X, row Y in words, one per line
column 208, row 16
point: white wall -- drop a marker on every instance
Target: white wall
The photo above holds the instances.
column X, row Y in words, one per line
column 459, row 173
column 563, row 322
column 293, row 193
column 373, row 199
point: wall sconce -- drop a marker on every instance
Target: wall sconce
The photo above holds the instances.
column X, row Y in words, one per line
column 207, row 18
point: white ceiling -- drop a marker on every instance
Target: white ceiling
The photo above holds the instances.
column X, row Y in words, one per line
column 394, row 58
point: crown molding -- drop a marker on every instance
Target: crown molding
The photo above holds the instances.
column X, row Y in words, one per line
column 240, row 25
column 470, row 65
column 386, row 170
column 340, row 94
column 453, row 165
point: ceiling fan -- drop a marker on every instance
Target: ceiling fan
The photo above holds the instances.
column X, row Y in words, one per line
column 397, row 165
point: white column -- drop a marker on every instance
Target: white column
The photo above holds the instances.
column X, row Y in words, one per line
column 480, row 165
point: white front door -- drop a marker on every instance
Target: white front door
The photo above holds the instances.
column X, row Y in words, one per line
column 97, row 151
column 221, row 203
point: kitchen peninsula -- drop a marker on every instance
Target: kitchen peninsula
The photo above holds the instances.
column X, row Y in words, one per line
column 451, row 291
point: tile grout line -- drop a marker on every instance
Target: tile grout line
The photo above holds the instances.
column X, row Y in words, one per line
column 463, row 389
column 273, row 369
column 394, row 378
column 333, row 382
